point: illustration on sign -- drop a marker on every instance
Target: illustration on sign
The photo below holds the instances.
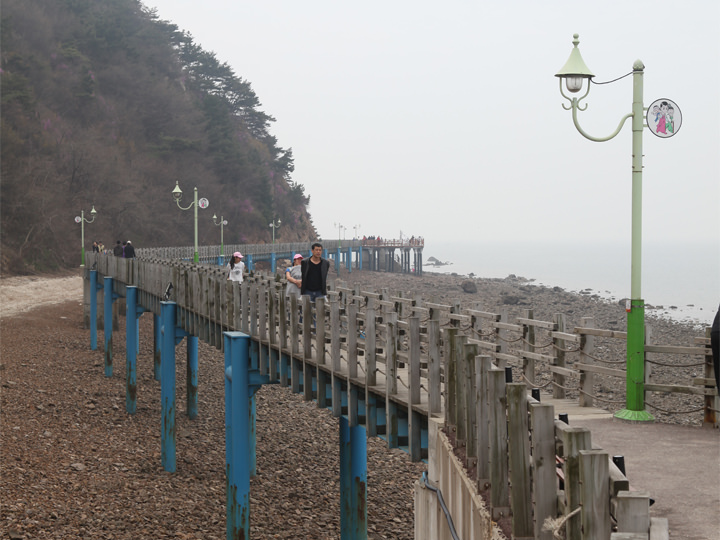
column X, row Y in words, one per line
column 664, row 118
column 203, row 203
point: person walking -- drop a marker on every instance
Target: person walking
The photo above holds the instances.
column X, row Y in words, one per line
column 118, row 249
column 715, row 347
column 293, row 275
column 314, row 273
column 129, row 250
column 236, row 267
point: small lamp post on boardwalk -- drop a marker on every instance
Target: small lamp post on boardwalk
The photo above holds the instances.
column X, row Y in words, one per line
column 274, row 225
column 574, row 73
column 222, row 224
column 202, row 203
column 82, row 220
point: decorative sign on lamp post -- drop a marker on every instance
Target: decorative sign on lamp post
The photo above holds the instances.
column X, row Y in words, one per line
column 663, row 119
column 82, row 220
column 202, row 203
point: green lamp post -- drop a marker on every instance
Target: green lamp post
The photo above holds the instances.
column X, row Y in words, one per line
column 222, row 224
column 574, row 72
column 82, row 220
column 202, row 203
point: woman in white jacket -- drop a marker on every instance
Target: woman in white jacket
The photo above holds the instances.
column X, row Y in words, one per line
column 236, row 267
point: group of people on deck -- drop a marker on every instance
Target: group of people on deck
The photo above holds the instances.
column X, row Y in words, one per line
column 304, row 277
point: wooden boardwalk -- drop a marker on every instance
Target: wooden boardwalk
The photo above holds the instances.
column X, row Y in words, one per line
column 392, row 363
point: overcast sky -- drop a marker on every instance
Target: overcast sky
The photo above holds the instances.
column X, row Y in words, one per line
column 444, row 119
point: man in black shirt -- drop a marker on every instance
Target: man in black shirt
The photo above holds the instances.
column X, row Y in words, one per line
column 314, row 274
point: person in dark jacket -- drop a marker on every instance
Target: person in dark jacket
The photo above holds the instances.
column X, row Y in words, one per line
column 118, row 249
column 715, row 346
column 314, row 274
column 129, row 250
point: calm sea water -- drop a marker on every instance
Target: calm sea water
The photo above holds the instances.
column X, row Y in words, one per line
column 686, row 276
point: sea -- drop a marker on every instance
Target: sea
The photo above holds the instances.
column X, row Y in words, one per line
column 682, row 281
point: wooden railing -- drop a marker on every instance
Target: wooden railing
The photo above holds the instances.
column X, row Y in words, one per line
column 406, row 355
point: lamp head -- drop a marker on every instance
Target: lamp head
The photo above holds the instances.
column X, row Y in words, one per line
column 177, row 192
column 575, row 71
column 93, row 211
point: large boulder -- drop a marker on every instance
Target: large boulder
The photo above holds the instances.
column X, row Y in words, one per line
column 469, row 286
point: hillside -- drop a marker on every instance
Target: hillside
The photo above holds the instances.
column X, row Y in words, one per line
column 106, row 105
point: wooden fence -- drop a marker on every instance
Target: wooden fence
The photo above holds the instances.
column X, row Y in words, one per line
column 415, row 360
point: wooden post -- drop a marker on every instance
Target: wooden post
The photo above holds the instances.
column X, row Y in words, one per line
column 587, row 378
column 370, row 367
column 499, row 494
column 519, row 460
column 391, row 385
column 574, row 440
column 595, row 513
column 335, row 358
column 434, row 362
column 543, row 467
column 460, row 418
column 529, row 346
column 307, row 348
column 414, row 418
column 482, row 395
column 470, row 352
column 632, row 512
column 559, row 345
column 352, row 335
column 450, row 359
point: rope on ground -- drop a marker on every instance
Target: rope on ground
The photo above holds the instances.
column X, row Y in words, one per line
column 555, row 525
column 674, row 412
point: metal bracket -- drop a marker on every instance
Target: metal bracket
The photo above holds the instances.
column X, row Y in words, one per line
column 180, row 334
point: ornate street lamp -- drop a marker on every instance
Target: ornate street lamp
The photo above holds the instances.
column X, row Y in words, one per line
column 574, row 73
column 82, row 221
column 274, row 225
column 202, row 203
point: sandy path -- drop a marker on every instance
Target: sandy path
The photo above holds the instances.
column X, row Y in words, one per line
column 23, row 293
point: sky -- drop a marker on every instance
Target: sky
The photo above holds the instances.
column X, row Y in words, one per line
column 445, row 120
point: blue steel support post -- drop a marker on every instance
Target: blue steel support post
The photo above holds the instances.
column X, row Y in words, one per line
column 192, row 377
column 107, row 315
column 353, row 481
column 157, row 334
column 237, row 443
column 273, row 262
column 337, row 261
column 167, row 386
column 346, row 509
column 358, row 477
column 93, row 309
column 360, row 257
column 349, row 259
column 249, row 262
column 131, row 341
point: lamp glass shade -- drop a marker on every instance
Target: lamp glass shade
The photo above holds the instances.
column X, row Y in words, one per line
column 177, row 192
column 574, row 83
